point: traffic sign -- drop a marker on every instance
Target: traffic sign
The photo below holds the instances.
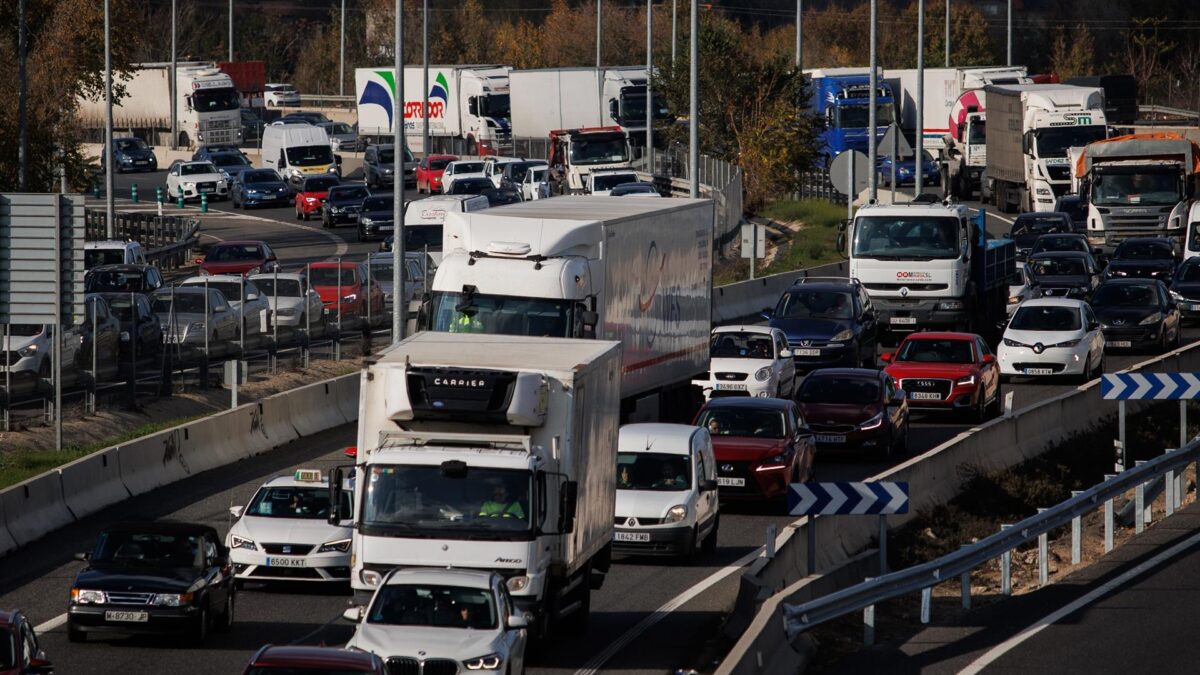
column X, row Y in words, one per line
column 904, row 149
column 831, row 499
column 1150, row 386
column 754, row 241
column 839, row 172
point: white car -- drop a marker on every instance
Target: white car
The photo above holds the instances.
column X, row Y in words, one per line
column 195, row 179
column 277, row 94
column 113, row 252
column 292, row 303
column 601, row 183
column 231, row 286
column 442, row 620
column 749, row 361
column 536, row 184
column 283, row 534
column 470, row 168
column 1020, row 288
column 493, row 168
column 1052, row 336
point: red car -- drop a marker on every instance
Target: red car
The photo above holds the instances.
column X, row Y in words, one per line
column 311, row 195
column 350, row 279
column 430, row 170
column 947, row 372
column 19, row 651
column 851, row 409
column 238, row 257
column 283, row 660
column 760, row 445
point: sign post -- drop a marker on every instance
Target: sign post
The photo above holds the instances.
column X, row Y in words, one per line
column 1121, row 387
column 754, row 243
column 847, row 499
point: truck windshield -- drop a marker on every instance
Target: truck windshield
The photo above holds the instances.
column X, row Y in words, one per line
column 215, row 100
column 428, row 501
column 309, row 155
column 897, row 238
column 653, row 471
column 977, row 135
column 599, row 151
column 502, row 315
column 496, row 106
column 1141, row 186
column 633, row 109
column 858, row 116
column 1054, row 141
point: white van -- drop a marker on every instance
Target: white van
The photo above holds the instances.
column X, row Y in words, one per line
column 423, row 219
column 297, row 151
column 666, row 491
column 1191, row 244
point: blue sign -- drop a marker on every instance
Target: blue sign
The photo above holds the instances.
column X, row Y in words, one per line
column 833, row 499
column 1150, row 386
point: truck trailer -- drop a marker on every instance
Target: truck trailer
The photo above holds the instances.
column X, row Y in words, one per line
column 547, row 99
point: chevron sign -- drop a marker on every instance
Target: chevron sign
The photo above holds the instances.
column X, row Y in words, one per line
column 831, row 499
column 1145, row 386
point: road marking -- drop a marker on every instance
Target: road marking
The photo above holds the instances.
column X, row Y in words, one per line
column 993, row 214
column 211, row 236
column 597, row 662
column 1004, row 647
column 50, row 625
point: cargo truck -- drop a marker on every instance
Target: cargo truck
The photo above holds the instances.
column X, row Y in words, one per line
column 1032, row 127
column 1140, row 185
column 930, row 267
column 841, row 97
column 547, row 99
column 576, row 153
column 489, row 452
column 470, row 103
column 250, row 80
column 634, row 270
column 207, row 109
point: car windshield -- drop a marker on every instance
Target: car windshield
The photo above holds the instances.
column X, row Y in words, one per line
column 741, row 346
column 471, row 186
column 896, row 238
column 1054, row 141
column 319, row 184
column 743, row 422
column 234, row 253
column 348, row 193
column 978, row 133
column 24, row 329
column 1056, row 267
column 517, row 170
column 436, row 500
column 121, row 306
column 838, row 390
column 230, row 289
column 815, row 304
column 467, row 167
column 126, row 144
column 436, row 606
column 653, row 471
column 95, row 257
column 112, row 280
column 417, row 237
column 267, row 176
column 1142, row 186
column 927, row 350
column 229, row 159
column 309, row 155
column 335, row 275
column 149, row 548
column 1188, row 273
column 185, row 303
column 1143, row 250
column 599, row 151
column 1076, row 208
column 1038, row 225
column 288, row 288
column 378, row 204
column 608, row 182
column 1126, row 295
column 439, row 164
column 1046, row 318
column 196, row 169
column 296, row 502
column 213, row 100
column 502, row 315
column 1052, row 243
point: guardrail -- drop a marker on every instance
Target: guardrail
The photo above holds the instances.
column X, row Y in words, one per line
column 167, row 239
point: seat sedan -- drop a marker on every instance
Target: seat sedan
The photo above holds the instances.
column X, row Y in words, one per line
column 429, row 172
column 238, row 257
column 1146, row 257
column 947, row 372
column 123, row 279
column 292, row 303
column 1137, row 314
column 760, row 444
column 377, row 217
column 1052, row 336
column 131, row 154
column 346, row 293
column 260, row 187
column 1063, row 274
column 141, row 334
column 1062, row 241
column 310, row 198
column 193, row 317
column 855, row 409
column 828, row 322
column 460, row 169
column 906, row 170
column 749, row 361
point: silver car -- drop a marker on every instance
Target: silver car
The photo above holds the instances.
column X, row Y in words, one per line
column 292, row 303
column 342, row 137
column 187, row 317
column 414, row 275
column 231, row 285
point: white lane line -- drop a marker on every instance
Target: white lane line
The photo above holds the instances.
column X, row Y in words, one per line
column 597, row 662
column 211, row 236
column 993, row 214
column 1001, row 649
column 50, row 625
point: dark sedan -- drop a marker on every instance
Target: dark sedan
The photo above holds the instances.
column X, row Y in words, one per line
column 1028, row 227
column 260, row 187
column 377, row 217
column 307, row 660
column 1075, row 207
column 153, row 577
column 855, row 409
column 20, row 653
column 141, row 335
column 1069, row 274
column 1145, row 257
column 343, row 203
column 828, row 322
column 132, row 154
column 1062, row 241
column 1137, row 314
column 760, row 446
column 1185, row 288
column 471, row 186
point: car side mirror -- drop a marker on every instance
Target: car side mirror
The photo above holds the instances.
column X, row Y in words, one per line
column 887, row 357
column 989, row 358
column 516, row 621
column 1093, row 325
column 251, row 297
column 236, row 511
column 353, row 614
column 39, row 666
column 708, row 485
column 221, row 308
column 83, row 556
column 785, row 353
column 804, row 431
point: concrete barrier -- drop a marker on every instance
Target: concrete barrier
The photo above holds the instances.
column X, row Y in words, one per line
column 35, row 507
column 7, row 543
column 154, row 461
column 93, row 482
column 347, row 388
column 314, row 407
column 747, row 298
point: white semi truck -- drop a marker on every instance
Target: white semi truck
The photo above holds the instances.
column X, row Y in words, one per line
column 547, row 99
column 489, row 452
column 634, row 270
column 207, row 104
column 943, row 88
column 465, row 102
column 1031, row 128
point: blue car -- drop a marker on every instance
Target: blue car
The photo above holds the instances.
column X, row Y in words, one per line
column 260, row 187
column 828, row 322
column 906, row 170
column 131, row 154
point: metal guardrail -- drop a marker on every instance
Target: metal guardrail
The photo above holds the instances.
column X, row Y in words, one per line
column 1166, row 110
column 922, row 578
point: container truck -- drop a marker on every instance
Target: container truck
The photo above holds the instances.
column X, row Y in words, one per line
column 841, row 96
column 575, row 153
column 930, row 267
column 634, row 270
column 1140, row 185
column 1032, row 127
column 489, row 452
column 470, row 103
column 547, row 99
column 207, row 110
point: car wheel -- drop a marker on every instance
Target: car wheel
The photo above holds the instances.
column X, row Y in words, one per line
column 710, row 542
column 74, row 633
column 688, row 555
column 200, row 632
column 980, row 412
column 997, row 406
column 298, row 216
column 226, row 624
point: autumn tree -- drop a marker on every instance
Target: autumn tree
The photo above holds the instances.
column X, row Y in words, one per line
column 1073, row 53
column 1145, row 51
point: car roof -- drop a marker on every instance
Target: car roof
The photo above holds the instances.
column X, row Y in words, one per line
column 334, row 263
column 199, row 279
column 330, row 658
column 1059, row 254
column 1039, row 215
column 293, row 276
column 168, row 290
column 847, row 372
column 160, row 527
column 289, row 480
column 1053, row 302
column 121, row 267
column 750, row 328
column 822, row 284
column 944, row 335
column 748, row 402
column 656, row 437
column 1130, row 281
column 1146, row 240
column 441, row 577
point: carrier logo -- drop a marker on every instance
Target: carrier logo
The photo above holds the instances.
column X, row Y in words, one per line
column 381, row 91
column 459, row 383
column 381, row 95
column 910, row 276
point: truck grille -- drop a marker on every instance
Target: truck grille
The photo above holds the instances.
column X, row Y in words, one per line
column 925, row 385
column 1059, row 172
column 217, row 124
column 911, row 287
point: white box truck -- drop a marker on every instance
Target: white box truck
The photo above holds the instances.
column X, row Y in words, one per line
column 547, row 99
column 1031, row 128
column 207, row 107
column 465, row 102
column 490, row 452
column 634, row 270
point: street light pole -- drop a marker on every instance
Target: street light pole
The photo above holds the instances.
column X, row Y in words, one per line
column 694, row 104
column 1009, row 32
column 598, row 23
column 871, row 117
column 174, row 92
column 947, row 33
column 399, row 306
column 109, row 210
column 22, row 122
column 231, row 31
column 918, row 159
column 425, row 77
column 649, row 87
column 342, row 54
column 674, row 28
column 799, row 33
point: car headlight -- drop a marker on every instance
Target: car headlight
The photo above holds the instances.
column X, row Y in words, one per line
column 311, row 200
column 950, row 305
column 242, row 542
column 1117, row 273
column 124, row 336
column 517, row 583
column 250, row 192
column 763, row 374
column 1176, row 296
column 873, row 423
column 188, row 183
column 31, row 350
column 350, row 298
column 366, row 221
column 489, row 662
column 965, row 381
column 334, row 209
column 339, row 546
column 1067, row 344
column 88, row 597
column 1012, row 343
column 842, row 336
column 1151, row 320
column 172, row 599
column 1045, row 192
column 676, row 514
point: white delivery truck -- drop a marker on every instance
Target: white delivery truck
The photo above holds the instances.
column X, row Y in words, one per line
column 634, row 270
column 1031, row 129
column 423, row 219
column 207, row 107
column 297, row 151
column 489, row 452
column 466, row 102
column 547, row 99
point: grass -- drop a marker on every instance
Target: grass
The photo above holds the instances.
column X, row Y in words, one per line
column 814, row 244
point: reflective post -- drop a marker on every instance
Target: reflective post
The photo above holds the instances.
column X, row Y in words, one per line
column 366, row 328
column 342, row 54
column 95, row 374
column 204, row 358
column 7, row 375
column 895, row 151
column 307, row 318
column 337, row 341
column 275, row 315
column 133, row 337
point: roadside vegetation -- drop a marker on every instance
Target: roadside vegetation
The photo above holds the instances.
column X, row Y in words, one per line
column 811, row 240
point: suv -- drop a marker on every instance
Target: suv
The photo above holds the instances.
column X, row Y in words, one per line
column 379, row 167
column 113, row 252
column 828, row 321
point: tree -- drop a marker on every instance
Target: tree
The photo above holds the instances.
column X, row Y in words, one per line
column 1073, row 53
column 1145, row 51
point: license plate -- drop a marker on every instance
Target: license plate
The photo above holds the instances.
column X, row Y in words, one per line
column 1192, row 307
column 128, row 617
column 904, row 320
column 831, row 438
column 207, row 190
column 1039, row 371
column 1120, row 343
column 328, row 311
column 806, row 352
column 731, row 482
column 285, row 562
column 641, row 537
column 721, row 386
column 925, row 396
column 140, row 162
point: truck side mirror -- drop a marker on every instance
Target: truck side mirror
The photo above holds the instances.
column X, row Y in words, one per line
column 473, row 105
column 187, row 100
column 613, row 109
column 335, row 495
column 841, row 242
column 568, row 499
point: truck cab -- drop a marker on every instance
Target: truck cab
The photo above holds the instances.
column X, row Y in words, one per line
column 625, row 92
column 574, row 153
column 488, row 110
column 209, row 107
column 841, row 96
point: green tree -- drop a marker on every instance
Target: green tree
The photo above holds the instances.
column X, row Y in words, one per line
column 1073, row 53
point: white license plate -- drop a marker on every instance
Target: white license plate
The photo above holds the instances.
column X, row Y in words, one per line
column 806, row 352
column 1191, row 307
column 925, row 396
column 140, row 162
column 722, row 386
column 731, row 482
column 1039, row 371
column 128, row 617
column 642, row 537
column 904, row 320
column 285, row 562
column 831, row 438
column 1120, row 343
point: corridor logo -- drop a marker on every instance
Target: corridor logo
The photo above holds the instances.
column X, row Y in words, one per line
column 380, row 90
column 439, row 100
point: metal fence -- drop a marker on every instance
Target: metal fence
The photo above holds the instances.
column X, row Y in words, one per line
column 168, row 239
column 816, row 185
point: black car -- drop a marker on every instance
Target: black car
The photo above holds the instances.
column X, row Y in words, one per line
column 153, row 577
column 1029, row 226
column 123, row 278
column 260, row 187
column 514, row 172
column 1137, row 314
column 343, row 203
column 231, row 164
column 205, row 153
column 379, row 165
column 828, row 322
column 141, row 334
column 1185, row 288
column 1075, row 207
column 252, row 126
column 131, row 154
column 302, row 117
column 500, row 196
column 1062, row 241
column 377, row 217
column 471, row 186
column 1063, row 274
column 1146, row 257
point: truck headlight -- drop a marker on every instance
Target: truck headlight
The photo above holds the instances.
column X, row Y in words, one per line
column 1044, row 192
column 676, row 514
column 124, row 336
column 366, row 221
column 370, row 577
column 517, row 583
column 763, row 374
column 339, row 546
column 172, row 599
column 242, row 542
column 489, row 662
column 88, row 597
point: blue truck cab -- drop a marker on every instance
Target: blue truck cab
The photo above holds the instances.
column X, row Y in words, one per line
column 841, row 97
